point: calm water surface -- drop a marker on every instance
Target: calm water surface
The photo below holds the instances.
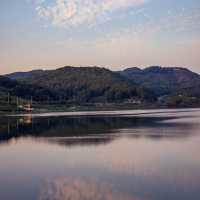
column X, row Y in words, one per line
column 121, row 155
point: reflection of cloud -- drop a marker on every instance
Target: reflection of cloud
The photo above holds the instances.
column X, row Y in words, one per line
column 80, row 189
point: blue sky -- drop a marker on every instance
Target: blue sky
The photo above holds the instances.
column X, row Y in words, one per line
column 109, row 33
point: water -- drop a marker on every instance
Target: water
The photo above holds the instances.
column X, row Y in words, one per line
column 121, row 155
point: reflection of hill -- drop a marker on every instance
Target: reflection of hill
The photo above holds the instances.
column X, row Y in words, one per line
column 82, row 141
column 89, row 130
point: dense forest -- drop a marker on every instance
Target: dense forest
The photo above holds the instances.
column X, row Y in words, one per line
column 77, row 85
column 163, row 80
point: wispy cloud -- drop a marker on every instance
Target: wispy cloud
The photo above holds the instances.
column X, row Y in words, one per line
column 157, row 41
column 77, row 12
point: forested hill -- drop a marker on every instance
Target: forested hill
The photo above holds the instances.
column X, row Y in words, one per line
column 82, row 84
column 26, row 91
column 165, row 80
column 99, row 85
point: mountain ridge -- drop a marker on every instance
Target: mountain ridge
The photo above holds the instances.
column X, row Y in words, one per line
column 162, row 80
column 97, row 84
column 84, row 84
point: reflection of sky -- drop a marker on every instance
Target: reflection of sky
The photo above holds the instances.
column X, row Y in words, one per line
column 142, row 166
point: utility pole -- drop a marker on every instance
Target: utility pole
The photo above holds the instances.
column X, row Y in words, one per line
column 17, row 101
column 8, row 98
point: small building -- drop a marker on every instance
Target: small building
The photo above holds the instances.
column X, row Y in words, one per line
column 26, row 107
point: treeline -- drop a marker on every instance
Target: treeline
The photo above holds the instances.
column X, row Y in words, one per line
column 77, row 85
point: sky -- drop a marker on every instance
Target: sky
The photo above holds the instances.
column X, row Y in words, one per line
column 115, row 34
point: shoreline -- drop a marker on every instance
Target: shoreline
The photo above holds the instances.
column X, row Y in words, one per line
column 135, row 112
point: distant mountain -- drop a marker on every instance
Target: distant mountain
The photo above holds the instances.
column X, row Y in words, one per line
column 84, row 84
column 165, row 80
column 22, row 75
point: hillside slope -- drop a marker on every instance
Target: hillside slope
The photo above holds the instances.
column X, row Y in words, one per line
column 165, row 80
column 23, row 90
column 22, row 75
column 86, row 84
